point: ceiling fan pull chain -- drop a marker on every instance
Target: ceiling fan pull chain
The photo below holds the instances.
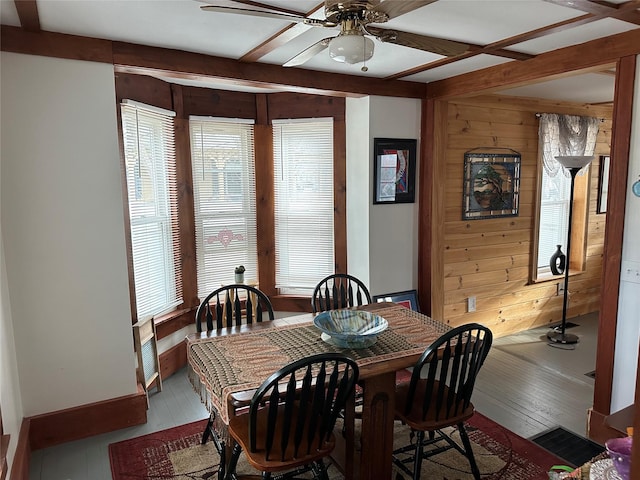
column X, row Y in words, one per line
column 364, row 55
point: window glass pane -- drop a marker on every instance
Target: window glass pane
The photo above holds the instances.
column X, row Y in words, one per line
column 304, row 209
column 148, row 138
column 222, row 155
column 554, row 217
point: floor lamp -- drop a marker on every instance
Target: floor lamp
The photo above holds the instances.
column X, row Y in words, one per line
column 574, row 164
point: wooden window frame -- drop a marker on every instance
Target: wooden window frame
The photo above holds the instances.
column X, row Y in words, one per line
column 262, row 108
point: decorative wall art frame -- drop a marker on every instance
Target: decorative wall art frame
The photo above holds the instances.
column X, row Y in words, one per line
column 394, row 172
column 603, row 184
column 408, row 298
column 491, row 186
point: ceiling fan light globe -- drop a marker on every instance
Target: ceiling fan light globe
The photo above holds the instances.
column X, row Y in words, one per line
column 351, row 48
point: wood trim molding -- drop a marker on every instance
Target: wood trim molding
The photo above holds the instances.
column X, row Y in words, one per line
column 431, row 198
column 614, row 229
column 173, row 360
column 22, row 456
column 75, row 423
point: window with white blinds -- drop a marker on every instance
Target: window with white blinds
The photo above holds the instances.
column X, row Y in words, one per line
column 149, row 151
column 222, row 156
column 554, row 217
column 304, row 210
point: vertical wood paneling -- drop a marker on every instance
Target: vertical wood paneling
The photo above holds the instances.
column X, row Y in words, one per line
column 490, row 259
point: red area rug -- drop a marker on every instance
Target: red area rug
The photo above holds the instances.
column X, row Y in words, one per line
column 176, row 454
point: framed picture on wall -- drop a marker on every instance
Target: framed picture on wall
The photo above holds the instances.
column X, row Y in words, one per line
column 603, row 184
column 394, row 172
column 491, row 185
column 408, row 299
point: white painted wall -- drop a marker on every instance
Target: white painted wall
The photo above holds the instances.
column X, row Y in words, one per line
column 393, row 232
column 628, row 329
column 9, row 381
column 382, row 240
column 359, row 188
column 63, row 233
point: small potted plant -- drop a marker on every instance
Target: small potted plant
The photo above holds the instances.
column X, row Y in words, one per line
column 239, row 274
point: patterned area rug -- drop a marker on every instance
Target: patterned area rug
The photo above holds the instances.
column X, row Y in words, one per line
column 176, row 454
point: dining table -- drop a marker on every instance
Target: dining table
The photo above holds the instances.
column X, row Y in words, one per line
column 226, row 362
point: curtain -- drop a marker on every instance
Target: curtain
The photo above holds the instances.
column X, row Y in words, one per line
column 565, row 135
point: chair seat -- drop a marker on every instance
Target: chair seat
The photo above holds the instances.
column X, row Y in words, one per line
column 435, row 419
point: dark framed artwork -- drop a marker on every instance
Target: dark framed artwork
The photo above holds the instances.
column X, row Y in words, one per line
column 491, row 185
column 408, row 298
column 603, row 184
column 394, row 172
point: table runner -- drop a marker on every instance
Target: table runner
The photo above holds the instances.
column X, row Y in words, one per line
column 220, row 366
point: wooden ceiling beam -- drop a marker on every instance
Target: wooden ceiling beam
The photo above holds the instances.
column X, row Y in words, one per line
column 626, row 11
column 142, row 59
column 597, row 11
column 588, row 56
column 28, row 14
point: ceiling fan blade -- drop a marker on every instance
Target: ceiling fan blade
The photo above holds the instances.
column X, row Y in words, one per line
column 254, row 13
column 441, row 46
column 263, row 13
column 395, row 9
column 308, row 53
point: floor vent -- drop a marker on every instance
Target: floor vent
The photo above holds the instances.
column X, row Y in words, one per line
column 572, row 448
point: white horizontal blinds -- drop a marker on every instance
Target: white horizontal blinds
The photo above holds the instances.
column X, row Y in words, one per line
column 224, row 191
column 554, row 218
column 303, row 161
column 149, row 151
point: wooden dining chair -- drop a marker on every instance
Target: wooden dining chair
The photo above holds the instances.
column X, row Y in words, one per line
column 228, row 306
column 439, row 396
column 289, row 427
column 339, row 290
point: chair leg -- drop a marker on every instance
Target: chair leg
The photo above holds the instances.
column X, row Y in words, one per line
column 233, row 462
column 320, row 470
column 417, row 461
column 469, row 452
column 208, row 431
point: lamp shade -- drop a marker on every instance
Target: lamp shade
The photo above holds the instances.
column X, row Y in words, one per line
column 574, row 161
column 351, row 48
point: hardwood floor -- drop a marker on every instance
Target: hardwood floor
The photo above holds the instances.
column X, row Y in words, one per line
column 526, row 385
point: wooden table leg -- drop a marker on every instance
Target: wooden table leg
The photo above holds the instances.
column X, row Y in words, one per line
column 377, row 427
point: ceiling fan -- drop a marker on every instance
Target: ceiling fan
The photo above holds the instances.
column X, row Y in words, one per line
column 355, row 18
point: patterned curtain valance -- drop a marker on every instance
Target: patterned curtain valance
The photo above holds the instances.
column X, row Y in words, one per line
column 565, row 135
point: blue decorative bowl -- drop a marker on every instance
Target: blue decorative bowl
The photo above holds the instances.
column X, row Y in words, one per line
column 350, row 328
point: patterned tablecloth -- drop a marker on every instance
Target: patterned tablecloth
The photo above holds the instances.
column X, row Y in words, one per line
column 221, row 366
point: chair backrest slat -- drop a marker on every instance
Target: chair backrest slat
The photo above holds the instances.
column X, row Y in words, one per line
column 233, row 305
column 339, row 290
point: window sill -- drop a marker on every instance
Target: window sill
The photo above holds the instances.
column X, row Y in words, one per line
column 173, row 321
column 548, row 277
column 290, row 303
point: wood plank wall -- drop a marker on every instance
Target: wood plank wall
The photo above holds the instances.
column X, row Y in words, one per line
column 490, row 258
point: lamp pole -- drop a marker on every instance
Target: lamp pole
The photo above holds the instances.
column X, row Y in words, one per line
column 558, row 334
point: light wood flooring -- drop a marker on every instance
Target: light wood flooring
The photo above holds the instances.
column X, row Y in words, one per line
column 526, row 385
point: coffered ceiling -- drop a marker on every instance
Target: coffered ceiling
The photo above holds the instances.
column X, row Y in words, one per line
column 491, row 32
